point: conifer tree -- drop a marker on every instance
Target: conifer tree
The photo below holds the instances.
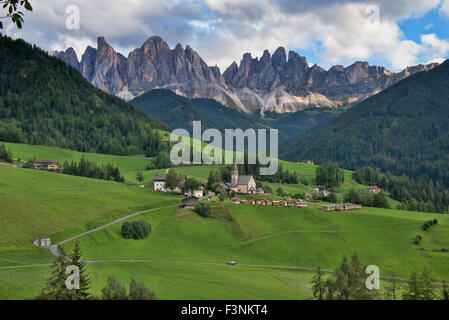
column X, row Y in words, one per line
column 55, row 288
column 78, row 260
column 392, row 288
column 318, row 285
column 444, row 292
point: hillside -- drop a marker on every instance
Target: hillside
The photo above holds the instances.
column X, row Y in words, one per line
column 186, row 254
column 36, row 202
column 404, row 129
column 43, row 101
column 179, row 112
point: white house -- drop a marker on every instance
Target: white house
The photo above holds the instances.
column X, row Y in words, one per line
column 159, row 182
column 321, row 189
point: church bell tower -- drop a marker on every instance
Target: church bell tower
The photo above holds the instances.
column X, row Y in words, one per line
column 234, row 173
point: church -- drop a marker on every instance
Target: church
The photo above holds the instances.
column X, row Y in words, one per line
column 240, row 184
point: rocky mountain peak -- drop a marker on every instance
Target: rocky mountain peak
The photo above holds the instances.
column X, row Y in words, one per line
column 272, row 82
column 69, row 56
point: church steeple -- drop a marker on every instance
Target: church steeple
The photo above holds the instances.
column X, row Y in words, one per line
column 235, row 173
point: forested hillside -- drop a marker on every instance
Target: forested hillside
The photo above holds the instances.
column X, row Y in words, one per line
column 179, row 112
column 404, row 130
column 43, row 101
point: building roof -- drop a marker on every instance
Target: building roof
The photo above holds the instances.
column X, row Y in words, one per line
column 189, row 201
column 244, row 180
column 163, row 177
column 159, row 177
column 45, row 161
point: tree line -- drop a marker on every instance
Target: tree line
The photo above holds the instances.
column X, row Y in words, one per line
column 424, row 196
column 348, row 282
column 88, row 168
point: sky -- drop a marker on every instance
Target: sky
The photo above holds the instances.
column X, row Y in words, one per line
column 395, row 34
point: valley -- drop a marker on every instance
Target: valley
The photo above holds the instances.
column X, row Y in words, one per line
column 185, row 255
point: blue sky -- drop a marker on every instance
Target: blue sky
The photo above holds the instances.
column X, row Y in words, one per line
column 327, row 32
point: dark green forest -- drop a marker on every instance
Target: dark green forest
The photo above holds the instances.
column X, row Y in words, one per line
column 402, row 130
column 424, row 196
column 43, row 101
column 179, row 112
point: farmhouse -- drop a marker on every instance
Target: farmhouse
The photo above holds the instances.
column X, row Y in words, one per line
column 46, row 164
column 189, row 202
column 227, row 187
column 322, row 189
column 159, row 182
column 374, row 189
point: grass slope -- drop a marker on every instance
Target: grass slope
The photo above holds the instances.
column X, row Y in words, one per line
column 253, row 235
column 35, row 202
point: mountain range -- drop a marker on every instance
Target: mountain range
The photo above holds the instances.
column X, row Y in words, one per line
column 278, row 82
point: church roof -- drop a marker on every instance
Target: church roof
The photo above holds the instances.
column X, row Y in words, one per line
column 244, row 180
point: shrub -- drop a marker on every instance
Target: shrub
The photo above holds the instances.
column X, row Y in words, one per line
column 429, row 223
column 202, row 209
column 418, row 239
column 136, row 230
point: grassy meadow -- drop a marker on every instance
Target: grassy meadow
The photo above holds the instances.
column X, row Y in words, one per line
column 34, row 202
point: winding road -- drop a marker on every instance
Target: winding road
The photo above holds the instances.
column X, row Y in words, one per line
column 113, row 222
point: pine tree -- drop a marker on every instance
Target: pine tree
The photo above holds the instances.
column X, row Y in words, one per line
column 428, row 289
column 414, row 288
column 55, row 288
column 77, row 260
column 318, row 285
column 444, row 292
column 391, row 289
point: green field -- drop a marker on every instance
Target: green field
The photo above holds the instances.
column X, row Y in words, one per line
column 34, row 202
column 130, row 165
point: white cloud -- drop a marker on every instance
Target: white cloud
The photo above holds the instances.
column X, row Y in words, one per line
column 434, row 49
column 445, row 8
column 222, row 30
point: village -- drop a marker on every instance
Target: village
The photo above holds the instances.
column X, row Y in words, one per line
column 244, row 186
column 238, row 189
